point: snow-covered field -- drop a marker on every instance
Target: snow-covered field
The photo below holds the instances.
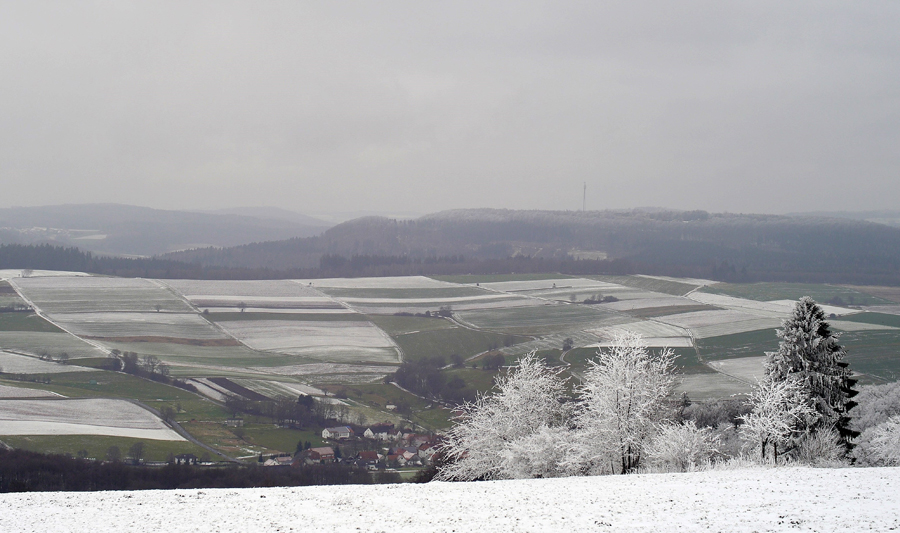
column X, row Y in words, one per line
column 747, row 500
column 647, row 303
column 173, row 325
column 749, row 369
column 7, row 392
column 549, row 284
column 76, row 294
column 330, row 340
column 541, row 317
column 714, row 323
column 396, row 282
column 11, row 363
column 95, row 416
column 35, row 342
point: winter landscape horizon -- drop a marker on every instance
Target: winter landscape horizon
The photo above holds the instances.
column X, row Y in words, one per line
column 505, row 266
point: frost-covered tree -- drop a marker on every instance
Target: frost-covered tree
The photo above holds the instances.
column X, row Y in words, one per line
column 621, row 400
column 782, row 410
column 492, row 437
column 681, row 447
column 885, row 442
column 810, row 353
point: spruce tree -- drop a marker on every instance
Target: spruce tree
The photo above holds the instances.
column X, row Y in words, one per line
column 810, row 353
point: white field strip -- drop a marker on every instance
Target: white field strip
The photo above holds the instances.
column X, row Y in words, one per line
column 314, row 338
column 846, row 325
column 712, row 317
column 734, row 500
column 207, row 389
column 12, row 363
column 646, row 303
column 434, row 302
column 267, row 302
column 336, row 310
column 649, row 329
column 94, row 416
column 886, row 309
column 9, row 273
column 731, row 328
column 653, row 342
column 7, row 392
column 711, row 386
column 774, row 309
column 278, row 389
column 687, row 281
column 34, row 342
column 714, row 323
column 313, row 369
column 241, row 288
column 92, row 294
column 829, row 309
column 549, row 284
column 748, row 369
column 175, row 325
column 630, row 293
column 396, row 282
column 515, row 303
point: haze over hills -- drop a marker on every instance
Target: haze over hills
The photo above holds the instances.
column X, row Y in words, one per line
column 887, row 217
column 737, row 247
column 117, row 229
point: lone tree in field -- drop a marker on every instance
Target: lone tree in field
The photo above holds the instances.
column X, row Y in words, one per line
column 810, row 354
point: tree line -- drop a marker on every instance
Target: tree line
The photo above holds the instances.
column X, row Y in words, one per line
column 24, row 471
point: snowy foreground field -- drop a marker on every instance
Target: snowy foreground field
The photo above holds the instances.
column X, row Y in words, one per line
column 779, row 499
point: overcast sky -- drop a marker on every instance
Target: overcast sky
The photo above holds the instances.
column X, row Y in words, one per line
column 421, row 106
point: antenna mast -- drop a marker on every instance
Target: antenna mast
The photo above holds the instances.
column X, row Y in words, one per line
column 584, row 197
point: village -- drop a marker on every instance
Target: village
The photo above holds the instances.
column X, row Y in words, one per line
column 373, row 448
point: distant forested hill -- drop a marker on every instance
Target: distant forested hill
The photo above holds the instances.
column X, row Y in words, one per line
column 733, row 247
column 132, row 230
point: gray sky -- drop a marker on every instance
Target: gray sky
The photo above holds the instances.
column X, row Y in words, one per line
column 418, row 106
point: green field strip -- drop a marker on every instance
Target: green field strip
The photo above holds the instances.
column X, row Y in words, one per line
column 766, row 292
column 447, row 342
column 97, row 445
column 277, row 439
column 398, row 325
column 494, row 278
column 880, row 319
column 748, row 344
column 18, row 321
column 109, row 385
column 876, row 353
column 648, row 284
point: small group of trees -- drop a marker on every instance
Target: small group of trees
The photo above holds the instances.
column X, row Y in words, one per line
column 807, row 390
column 622, row 417
column 427, row 377
column 531, row 428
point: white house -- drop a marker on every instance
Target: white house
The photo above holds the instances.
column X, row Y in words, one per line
column 337, row 433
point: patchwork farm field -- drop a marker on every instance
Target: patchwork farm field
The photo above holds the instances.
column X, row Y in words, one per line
column 280, row 339
column 116, row 418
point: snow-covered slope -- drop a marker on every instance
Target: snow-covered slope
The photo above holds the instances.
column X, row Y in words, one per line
column 774, row 499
